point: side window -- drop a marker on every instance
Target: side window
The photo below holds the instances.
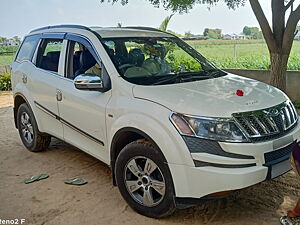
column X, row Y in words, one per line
column 27, row 48
column 48, row 54
column 81, row 61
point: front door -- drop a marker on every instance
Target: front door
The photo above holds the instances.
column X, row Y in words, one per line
column 83, row 112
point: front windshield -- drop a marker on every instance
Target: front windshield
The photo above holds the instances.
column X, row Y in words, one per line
column 158, row 60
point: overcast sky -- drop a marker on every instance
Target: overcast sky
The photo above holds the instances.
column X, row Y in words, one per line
column 18, row 17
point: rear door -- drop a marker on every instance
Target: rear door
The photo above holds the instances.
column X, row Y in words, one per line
column 83, row 112
column 45, row 78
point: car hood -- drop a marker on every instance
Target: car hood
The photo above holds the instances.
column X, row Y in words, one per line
column 212, row 97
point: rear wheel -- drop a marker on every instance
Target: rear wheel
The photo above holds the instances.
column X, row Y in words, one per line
column 144, row 180
column 31, row 137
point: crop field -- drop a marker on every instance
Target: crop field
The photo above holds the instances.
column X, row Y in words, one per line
column 243, row 54
column 6, row 58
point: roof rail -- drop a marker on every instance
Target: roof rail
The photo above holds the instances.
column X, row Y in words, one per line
column 143, row 28
column 150, row 29
column 61, row 26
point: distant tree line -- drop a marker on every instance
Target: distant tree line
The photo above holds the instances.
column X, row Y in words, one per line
column 10, row 41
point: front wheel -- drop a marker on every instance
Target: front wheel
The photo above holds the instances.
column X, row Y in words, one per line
column 144, row 179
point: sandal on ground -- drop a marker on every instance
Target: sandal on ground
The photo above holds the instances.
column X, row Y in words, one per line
column 36, row 178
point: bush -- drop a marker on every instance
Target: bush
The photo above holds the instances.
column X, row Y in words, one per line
column 5, row 83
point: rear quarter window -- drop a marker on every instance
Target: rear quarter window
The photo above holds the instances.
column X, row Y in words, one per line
column 27, row 48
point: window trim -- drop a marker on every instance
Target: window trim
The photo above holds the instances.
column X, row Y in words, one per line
column 85, row 42
column 33, row 52
column 60, row 62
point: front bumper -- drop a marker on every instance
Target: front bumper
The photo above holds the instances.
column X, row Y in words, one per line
column 264, row 160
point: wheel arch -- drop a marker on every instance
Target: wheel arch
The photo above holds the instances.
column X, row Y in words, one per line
column 19, row 99
column 123, row 137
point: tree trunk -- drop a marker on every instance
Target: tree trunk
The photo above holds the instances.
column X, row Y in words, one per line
column 278, row 70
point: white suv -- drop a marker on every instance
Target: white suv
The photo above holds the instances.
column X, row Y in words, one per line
column 173, row 128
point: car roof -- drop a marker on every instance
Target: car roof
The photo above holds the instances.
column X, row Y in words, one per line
column 109, row 32
column 130, row 32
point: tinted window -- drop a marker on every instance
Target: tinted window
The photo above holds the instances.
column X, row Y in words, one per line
column 158, row 60
column 81, row 61
column 48, row 54
column 27, row 48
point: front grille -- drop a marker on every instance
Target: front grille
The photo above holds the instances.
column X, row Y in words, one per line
column 267, row 124
column 279, row 155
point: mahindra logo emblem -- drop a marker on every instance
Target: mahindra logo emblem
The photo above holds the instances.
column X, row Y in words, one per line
column 273, row 112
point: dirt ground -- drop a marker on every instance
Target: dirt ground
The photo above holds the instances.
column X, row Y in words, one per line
column 51, row 202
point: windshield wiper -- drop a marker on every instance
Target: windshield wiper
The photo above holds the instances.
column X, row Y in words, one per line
column 188, row 75
column 166, row 80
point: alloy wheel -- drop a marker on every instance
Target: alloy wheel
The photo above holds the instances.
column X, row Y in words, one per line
column 144, row 181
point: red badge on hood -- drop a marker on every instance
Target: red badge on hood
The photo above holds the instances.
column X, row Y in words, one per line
column 239, row 93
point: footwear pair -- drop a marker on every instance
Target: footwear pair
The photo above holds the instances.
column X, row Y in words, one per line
column 75, row 181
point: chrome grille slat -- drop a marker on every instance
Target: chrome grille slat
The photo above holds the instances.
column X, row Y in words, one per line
column 272, row 123
column 251, row 126
column 294, row 111
column 282, row 117
column 265, row 129
column 287, row 116
column 267, row 123
column 291, row 113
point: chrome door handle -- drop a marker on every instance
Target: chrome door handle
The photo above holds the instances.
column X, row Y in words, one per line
column 24, row 78
column 58, row 95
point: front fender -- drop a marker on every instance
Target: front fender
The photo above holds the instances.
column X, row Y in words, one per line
column 160, row 130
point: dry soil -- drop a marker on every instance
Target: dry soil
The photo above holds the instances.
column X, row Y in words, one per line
column 51, row 202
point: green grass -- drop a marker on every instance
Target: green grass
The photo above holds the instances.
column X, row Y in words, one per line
column 6, row 59
column 297, row 105
column 249, row 54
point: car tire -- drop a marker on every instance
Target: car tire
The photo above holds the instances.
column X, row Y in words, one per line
column 144, row 179
column 32, row 139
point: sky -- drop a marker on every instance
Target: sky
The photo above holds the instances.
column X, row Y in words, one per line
column 19, row 17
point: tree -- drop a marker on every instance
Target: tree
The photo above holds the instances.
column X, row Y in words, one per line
column 2, row 39
column 188, row 34
column 164, row 25
column 17, row 39
column 253, row 32
column 212, row 33
column 279, row 37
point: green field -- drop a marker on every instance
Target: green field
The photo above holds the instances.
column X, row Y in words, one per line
column 249, row 54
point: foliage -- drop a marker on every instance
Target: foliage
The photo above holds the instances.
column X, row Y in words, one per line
column 188, row 34
column 8, row 48
column 164, row 25
column 5, row 83
column 253, row 32
column 212, row 33
column 183, row 63
column 184, row 6
column 297, row 105
column 6, row 59
column 2, row 39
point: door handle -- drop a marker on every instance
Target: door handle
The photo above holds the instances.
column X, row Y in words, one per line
column 24, row 78
column 58, row 95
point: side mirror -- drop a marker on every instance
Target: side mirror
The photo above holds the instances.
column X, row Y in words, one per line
column 88, row 82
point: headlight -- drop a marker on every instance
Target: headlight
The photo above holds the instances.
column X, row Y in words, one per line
column 219, row 129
